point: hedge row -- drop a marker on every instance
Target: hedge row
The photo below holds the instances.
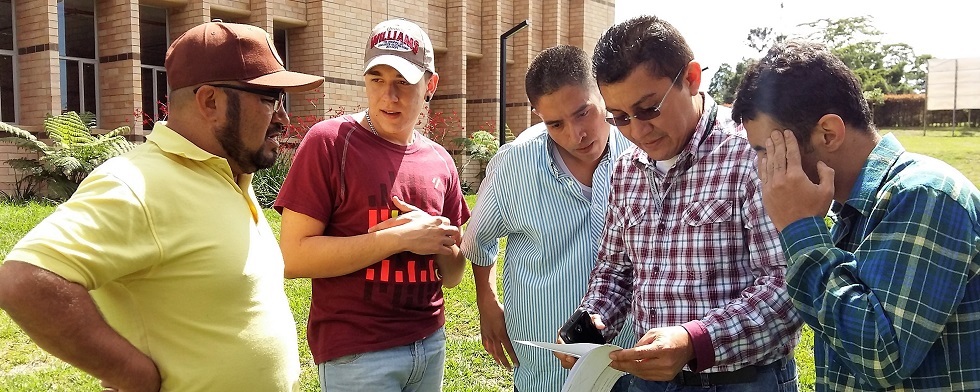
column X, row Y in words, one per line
column 908, row 110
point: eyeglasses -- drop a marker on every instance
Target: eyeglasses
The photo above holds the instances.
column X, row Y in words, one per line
column 644, row 114
column 278, row 96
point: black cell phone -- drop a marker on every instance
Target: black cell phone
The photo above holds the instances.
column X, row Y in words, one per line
column 580, row 329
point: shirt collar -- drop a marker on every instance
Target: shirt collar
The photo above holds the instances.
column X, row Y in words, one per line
column 690, row 151
column 881, row 159
column 174, row 143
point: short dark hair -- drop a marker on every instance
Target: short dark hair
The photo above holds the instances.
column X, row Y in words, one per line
column 557, row 67
column 644, row 40
column 796, row 84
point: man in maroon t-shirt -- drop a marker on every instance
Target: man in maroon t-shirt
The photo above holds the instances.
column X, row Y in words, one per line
column 371, row 211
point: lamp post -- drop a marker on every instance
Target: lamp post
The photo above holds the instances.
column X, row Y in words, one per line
column 502, row 124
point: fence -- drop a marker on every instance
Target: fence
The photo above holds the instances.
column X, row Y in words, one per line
column 908, row 111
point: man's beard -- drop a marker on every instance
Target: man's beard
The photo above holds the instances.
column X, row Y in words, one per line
column 230, row 137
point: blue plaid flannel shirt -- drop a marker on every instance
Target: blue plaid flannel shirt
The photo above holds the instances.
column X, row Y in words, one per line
column 892, row 292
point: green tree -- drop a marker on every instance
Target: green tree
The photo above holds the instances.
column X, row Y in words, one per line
column 721, row 84
column 894, row 68
column 763, row 38
column 885, row 68
column 726, row 80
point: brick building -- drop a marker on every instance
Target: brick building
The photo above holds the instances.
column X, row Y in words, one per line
column 106, row 56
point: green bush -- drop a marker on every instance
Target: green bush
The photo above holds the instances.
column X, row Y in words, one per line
column 267, row 182
column 481, row 146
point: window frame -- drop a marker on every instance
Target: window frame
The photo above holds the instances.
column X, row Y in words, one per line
column 62, row 59
column 156, row 71
column 14, row 61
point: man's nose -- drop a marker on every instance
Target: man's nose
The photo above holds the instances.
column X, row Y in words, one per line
column 392, row 92
column 579, row 131
column 640, row 127
column 280, row 116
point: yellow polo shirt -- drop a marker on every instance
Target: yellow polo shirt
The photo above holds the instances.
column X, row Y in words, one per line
column 181, row 262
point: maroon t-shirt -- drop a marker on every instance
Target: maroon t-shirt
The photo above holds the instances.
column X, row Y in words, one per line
column 344, row 175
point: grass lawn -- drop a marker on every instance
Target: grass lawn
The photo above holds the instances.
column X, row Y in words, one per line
column 26, row 368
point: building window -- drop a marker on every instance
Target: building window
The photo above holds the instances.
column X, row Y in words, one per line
column 280, row 38
column 153, row 52
column 8, row 90
column 76, row 47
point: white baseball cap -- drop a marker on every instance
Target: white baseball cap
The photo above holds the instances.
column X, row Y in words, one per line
column 404, row 46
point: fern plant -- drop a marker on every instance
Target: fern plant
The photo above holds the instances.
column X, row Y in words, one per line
column 74, row 152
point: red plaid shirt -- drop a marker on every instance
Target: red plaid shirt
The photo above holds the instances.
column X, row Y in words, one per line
column 694, row 246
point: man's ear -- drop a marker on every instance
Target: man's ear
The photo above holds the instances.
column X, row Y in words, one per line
column 693, row 77
column 829, row 133
column 430, row 88
column 206, row 102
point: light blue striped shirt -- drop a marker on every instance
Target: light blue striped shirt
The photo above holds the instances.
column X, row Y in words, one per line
column 553, row 235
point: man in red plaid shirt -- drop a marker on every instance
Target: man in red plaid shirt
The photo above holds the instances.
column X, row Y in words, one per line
column 687, row 246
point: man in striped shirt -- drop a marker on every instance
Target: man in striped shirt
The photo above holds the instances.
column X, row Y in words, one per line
column 546, row 193
column 686, row 241
column 891, row 292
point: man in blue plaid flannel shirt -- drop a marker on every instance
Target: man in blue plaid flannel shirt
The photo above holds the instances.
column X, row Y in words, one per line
column 891, row 292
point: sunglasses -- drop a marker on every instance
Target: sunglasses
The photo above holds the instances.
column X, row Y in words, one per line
column 644, row 114
column 278, row 96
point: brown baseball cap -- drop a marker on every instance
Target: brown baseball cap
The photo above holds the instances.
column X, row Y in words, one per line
column 219, row 51
column 404, row 46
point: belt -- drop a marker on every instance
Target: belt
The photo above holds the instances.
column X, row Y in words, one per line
column 743, row 375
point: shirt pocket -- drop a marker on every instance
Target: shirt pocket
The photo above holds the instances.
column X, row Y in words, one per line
column 706, row 227
column 633, row 216
column 637, row 236
column 706, row 212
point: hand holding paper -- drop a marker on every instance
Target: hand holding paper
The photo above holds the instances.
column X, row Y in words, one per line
column 659, row 355
column 591, row 372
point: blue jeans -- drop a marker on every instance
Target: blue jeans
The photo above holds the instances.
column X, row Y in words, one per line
column 418, row 366
column 623, row 384
column 774, row 379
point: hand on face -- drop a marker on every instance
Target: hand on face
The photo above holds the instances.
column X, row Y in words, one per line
column 787, row 192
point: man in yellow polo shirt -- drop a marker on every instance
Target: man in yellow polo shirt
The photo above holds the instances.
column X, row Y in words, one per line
column 161, row 273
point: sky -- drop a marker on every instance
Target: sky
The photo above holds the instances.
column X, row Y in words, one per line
column 716, row 30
